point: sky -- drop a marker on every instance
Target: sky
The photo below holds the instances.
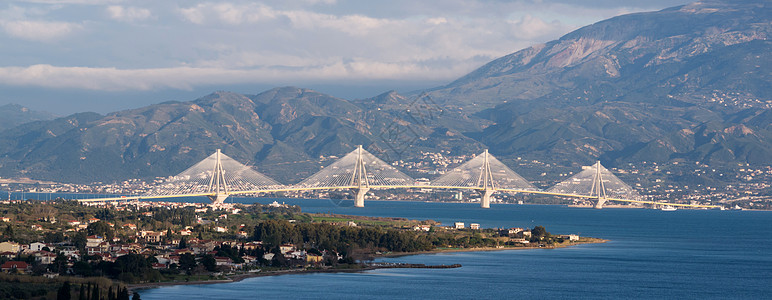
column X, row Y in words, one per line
column 67, row 56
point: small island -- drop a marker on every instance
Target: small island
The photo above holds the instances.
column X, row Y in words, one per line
column 65, row 247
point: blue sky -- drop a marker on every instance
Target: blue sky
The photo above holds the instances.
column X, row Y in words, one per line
column 105, row 55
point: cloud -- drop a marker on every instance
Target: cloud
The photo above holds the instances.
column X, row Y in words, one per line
column 185, row 78
column 128, row 14
column 41, row 31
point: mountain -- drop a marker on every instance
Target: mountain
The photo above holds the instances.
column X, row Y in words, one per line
column 283, row 131
column 691, row 82
column 15, row 115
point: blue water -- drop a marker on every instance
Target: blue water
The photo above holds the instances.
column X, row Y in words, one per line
column 651, row 254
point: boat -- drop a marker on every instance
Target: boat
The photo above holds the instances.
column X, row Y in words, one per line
column 668, row 208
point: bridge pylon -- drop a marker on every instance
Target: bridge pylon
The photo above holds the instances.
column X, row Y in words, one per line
column 485, row 180
column 359, row 171
column 217, row 177
column 485, row 174
column 217, row 184
column 598, row 189
column 595, row 182
column 360, row 179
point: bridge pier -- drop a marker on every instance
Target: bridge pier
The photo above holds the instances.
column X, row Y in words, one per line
column 485, row 201
column 601, row 201
column 218, row 199
column 359, row 201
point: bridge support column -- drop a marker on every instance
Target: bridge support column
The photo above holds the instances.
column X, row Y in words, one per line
column 599, row 204
column 218, row 199
column 485, row 201
column 359, row 201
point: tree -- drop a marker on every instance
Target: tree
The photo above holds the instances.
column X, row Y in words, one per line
column 8, row 232
column 82, row 294
column 539, row 232
column 123, row 294
column 183, row 243
column 64, row 292
column 187, row 262
column 209, row 263
column 136, row 296
column 95, row 292
column 101, row 228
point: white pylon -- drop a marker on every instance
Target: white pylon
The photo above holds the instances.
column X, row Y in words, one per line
column 598, row 189
column 217, row 184
column 485, row 180
column 359, row 179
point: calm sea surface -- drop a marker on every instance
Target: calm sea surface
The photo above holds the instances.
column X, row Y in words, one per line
column 691, row 254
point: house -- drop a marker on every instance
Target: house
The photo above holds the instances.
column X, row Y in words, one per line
column 9, row 247
column 570, row 237
column 249, row 259
column 45, row 257
column 514, row 231
column 220, row 229
column 154, row 237
column 93, row 240
column 73, row 223
column 185, row 232
column 474, row 226
column 268, row 256
column 297, row 254
column 223, row 261
column 423, row 227
column 159, row 266
column 11, row 266
column 243, row 234
column 458, row 225
column 314, row 259
column 286, row 248
column 37, row 246
column 8, row 255
column 5, row 219
column 130, row 226
column 93, row 220
column 252, row 245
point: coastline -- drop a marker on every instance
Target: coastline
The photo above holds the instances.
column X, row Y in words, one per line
column 242, row 276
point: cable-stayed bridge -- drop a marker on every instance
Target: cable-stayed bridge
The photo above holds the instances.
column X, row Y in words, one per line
column 219, row 176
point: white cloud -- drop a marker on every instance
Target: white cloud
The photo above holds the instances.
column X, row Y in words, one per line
column 128, row 14
column 39, row 30
column 113, row 79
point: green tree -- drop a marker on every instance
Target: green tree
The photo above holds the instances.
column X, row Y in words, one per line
column 82, row 293
column 187, row 262
column 64, row 292
column 209, row 262
column 136, row 296
column 123, row 294
column 8, row 232
column 539, row 232
column 101, row 228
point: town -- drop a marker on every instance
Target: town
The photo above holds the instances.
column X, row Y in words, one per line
column 141, row 242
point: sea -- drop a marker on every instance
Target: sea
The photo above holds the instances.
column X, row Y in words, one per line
column 651, row 254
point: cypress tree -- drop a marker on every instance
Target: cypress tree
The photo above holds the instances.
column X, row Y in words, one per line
column 136, row 296
column 95, row 292
column 123, row 294
column 82, row 294
column 64, row 292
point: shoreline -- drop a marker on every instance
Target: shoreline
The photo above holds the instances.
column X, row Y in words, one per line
column 240, row 277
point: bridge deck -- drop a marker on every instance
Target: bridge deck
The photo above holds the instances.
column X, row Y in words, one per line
column 295, row 189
